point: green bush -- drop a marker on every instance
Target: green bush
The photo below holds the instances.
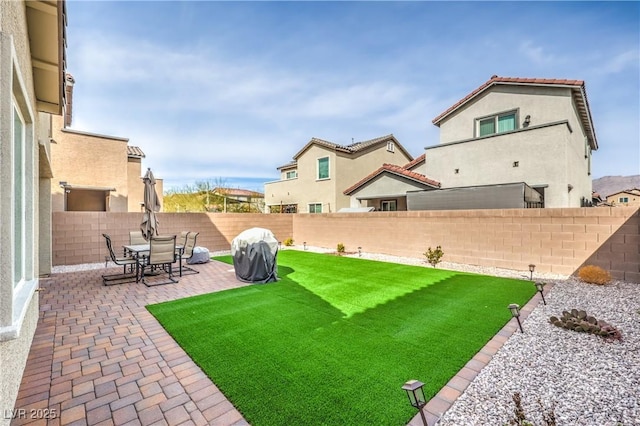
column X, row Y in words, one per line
column 434, row 256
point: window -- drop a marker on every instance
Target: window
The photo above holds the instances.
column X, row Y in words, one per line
column 391, row 147
column 388, row 206
column 292, row 174
column 516, row 164
column 18, row 280
column 499, row 123
column 323, row 168
column 19, row 196
column 623, row 200
column 315, row 208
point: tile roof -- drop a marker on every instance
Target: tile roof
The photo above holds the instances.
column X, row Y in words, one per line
column 410, row 165
column 354, row 147
column 134, row 151
column 393, row 169
column 577, row 87
column 289, row 165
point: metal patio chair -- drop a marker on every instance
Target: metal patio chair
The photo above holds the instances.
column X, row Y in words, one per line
column 187, row 253
column 162, row 255
column 126, row 261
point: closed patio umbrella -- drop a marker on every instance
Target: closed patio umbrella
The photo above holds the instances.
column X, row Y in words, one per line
column 149, row 225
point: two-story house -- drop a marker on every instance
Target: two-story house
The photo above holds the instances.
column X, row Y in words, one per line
column 32, row 66
column 536, row 131
column 628, row 197
column 315, row 181
column 86, row 181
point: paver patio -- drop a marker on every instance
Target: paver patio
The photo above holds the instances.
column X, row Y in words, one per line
column 100, row 358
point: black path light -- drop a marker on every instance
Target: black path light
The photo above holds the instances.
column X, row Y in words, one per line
column 532, row 268
column 359, row 251
column 515, row 312
column 416, row 397
column 540, row 288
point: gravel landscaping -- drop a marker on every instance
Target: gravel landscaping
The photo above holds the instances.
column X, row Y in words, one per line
column 580, row 378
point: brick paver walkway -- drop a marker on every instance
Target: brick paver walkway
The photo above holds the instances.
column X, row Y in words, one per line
column 100, row 358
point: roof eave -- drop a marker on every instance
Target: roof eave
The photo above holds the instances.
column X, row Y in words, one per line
column 46, row 27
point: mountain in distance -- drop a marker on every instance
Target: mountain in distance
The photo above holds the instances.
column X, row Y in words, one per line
column 608, row 185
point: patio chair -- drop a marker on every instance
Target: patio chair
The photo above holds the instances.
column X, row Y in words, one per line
column 126, row 261
column 162, row 255
column 135, row 238
column 182, row 238
column 187, row 253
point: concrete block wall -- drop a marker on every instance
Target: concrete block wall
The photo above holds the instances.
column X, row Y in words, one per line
column 77, row 236
column 555, row 240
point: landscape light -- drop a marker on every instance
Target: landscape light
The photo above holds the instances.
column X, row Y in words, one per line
column 515, row 312
column 304, row 245
column 532, row 268
column 540, row 288
column 359, row 251
column 416, row 396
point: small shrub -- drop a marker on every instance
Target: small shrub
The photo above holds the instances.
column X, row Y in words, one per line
column 340, row 248
column 594, row 275
column 520, row 418
column 434, row 256
column 288, row 242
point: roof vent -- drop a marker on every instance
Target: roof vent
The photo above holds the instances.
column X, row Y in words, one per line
column 494, row 76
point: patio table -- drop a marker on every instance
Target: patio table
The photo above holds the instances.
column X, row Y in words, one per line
column 138, row 251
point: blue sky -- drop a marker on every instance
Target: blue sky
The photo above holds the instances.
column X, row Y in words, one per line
column 229, row 91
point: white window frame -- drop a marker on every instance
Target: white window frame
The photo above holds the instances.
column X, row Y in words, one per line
column 623, row 199
column 496, row 118
column 391, row 147
column 314, row 210
column 293, row 176
column 16, row 295
column 389, row 203
column 328, row 168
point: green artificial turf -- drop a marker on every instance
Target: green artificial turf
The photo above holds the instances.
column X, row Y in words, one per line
column 335, row 339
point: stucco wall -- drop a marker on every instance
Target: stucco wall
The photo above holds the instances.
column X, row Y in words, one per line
column 88, row 160
column 556, row 240
column 13, row 351
column 543, row 104
column 13, row 358
column 545, row 156
column 344, row 171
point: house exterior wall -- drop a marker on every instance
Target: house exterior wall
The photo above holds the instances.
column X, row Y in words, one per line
column 551, row 151
column 135, row 186
column 555, row 240
column 18, row 298
column 344, row 170
column 614, row 199
column 384, row 187
column 89, row 160
column 352, row 168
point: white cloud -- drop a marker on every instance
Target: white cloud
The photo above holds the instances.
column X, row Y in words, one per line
column 535, row 54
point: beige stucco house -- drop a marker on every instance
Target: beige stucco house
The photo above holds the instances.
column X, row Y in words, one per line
column 32, row 65
column 94, row 172
column 315, row 181
column 386, row 188
column 536, row 131
column 629, row 197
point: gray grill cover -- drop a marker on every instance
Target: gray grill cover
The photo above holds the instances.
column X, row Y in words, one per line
column 254, row 253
